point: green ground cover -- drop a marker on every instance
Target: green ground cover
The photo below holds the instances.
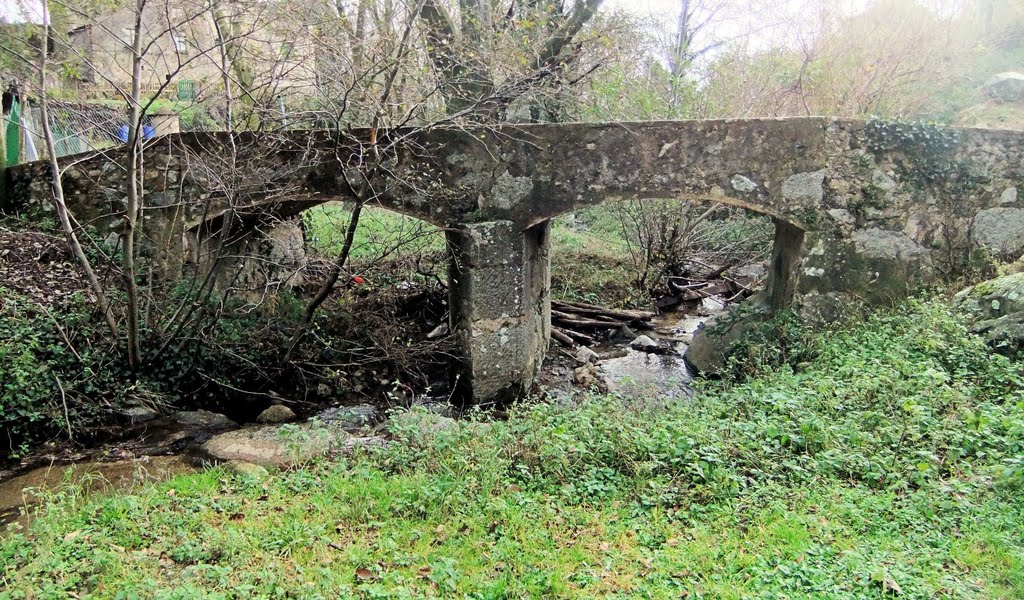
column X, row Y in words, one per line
column 589, row 259
column 888, row 464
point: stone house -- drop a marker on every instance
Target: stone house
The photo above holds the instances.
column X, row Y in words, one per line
column 266, row 41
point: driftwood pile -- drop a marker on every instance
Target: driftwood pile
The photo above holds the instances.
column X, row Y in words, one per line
column 575, row 323
column 686, row 289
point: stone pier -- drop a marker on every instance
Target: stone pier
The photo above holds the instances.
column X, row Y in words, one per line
column 500, row 291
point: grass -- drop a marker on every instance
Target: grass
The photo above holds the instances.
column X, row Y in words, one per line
column 588, row 252
column 889, row 464
column 381, row 232
column 590, row 260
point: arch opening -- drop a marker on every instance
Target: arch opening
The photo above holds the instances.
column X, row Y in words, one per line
column 641, row 252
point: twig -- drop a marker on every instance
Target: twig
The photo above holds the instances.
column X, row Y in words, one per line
column 64, row 401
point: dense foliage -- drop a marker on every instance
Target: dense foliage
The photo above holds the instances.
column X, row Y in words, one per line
column 63, row 377
column 888, row 463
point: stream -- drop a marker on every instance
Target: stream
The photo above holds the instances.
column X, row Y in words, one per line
column 167, row 445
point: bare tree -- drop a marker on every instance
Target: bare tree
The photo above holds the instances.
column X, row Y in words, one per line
column 58, row 188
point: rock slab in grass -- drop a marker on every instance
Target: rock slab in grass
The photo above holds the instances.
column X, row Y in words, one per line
column 995, row 311
column 275, row 445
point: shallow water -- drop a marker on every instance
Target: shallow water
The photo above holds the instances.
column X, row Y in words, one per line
column 20, row 494
column 646, row 375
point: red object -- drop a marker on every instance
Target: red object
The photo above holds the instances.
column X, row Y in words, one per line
column 358, row 280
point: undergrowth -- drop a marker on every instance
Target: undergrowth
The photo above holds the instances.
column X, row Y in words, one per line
column 889, row 464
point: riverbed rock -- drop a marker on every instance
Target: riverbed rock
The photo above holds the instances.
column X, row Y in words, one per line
column 203, row 419
column 586, row 355
column 995, row 311
column 276, row 413
column 644, row 343
column 710, row 345
column 140, row 414
column 623, row 334
column 350, row 418
column 275, row 445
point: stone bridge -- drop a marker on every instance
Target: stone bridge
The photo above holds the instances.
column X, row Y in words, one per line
column 865, row 212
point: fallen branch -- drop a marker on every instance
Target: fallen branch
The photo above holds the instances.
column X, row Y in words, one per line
column 562, row 338
column 590, row 309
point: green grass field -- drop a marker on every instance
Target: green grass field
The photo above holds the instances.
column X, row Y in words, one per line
column 888, row 465
column 589, row 256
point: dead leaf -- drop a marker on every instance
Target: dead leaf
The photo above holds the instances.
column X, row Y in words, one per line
column 890, row 585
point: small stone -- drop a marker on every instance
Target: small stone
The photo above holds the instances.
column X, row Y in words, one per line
column 276, row 413
column 586, row 355
column 882, row 181
column 247, row 469
column 323, row 390
column 842, row 215
column 805, row 188
column 1009, row 196
column 439, row 331
column 644, row 343
column 140, row 414
column 741, row 183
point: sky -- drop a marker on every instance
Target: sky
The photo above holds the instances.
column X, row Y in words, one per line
column 21, row 11
column 764, row 22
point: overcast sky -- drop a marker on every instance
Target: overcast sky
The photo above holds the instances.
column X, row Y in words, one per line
column 21, row 11
column 767, row 22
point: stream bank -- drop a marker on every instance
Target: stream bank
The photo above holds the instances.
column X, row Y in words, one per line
column 156, row 446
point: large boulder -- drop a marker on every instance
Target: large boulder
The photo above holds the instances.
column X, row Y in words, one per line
column 995, row 310
column 1006, row 87
column 275, row 445
column 711, row 343
column 1001, row 230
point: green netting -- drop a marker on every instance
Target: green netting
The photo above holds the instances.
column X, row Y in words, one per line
column 13, row 150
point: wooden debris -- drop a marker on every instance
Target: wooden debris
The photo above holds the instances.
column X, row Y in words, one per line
column 582, row 323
